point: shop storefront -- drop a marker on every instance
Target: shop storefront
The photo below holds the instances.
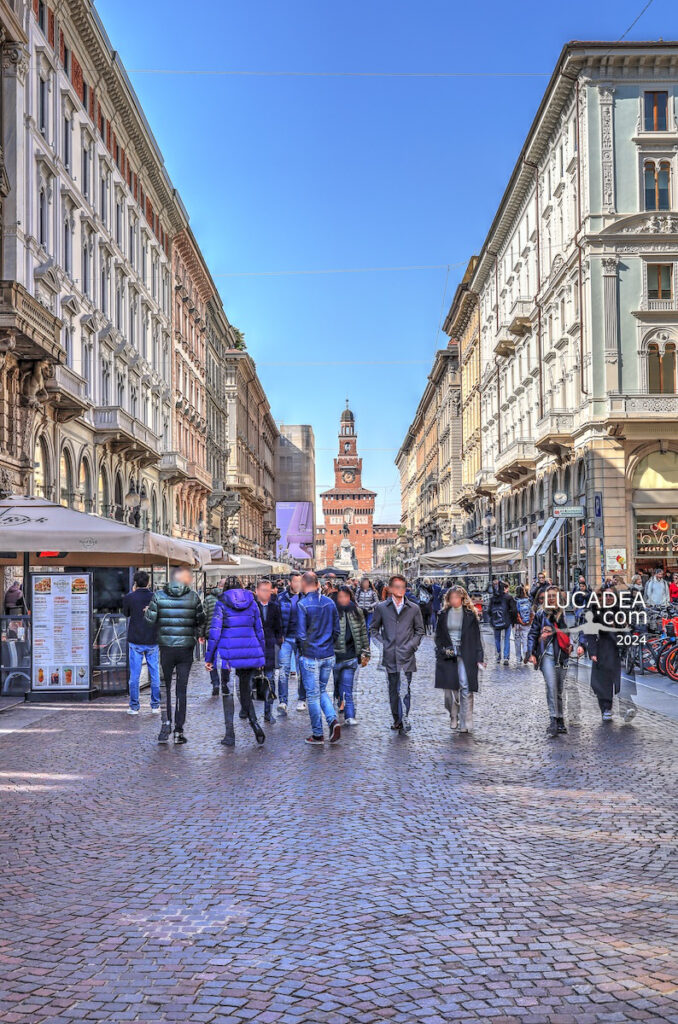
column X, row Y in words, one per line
column 655, row 512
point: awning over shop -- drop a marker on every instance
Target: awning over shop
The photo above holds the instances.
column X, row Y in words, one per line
column 551, row 534
column 245, row 565
column 37, row 526
column 536, row 543
column 656, row 501
column 467, row 553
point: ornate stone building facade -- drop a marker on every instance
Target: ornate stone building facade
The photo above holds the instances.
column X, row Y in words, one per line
column 577, row 290
column 193, row 289
column 252, row 441
column 222, row 502
column 429, row 460
column 86, row 307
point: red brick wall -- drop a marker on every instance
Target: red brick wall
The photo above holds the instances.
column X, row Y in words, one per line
column 50, row 26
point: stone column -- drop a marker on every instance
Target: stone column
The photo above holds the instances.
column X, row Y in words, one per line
column 611, row 323
column 606, row 97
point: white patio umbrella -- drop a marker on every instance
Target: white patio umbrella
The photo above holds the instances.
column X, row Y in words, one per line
column 467, row 553
column 245, row 565
column 34, row 525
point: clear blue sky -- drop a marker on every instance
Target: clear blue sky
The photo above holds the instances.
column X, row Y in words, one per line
column 312, row 173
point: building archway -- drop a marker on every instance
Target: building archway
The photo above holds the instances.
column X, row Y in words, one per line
column 66, row 479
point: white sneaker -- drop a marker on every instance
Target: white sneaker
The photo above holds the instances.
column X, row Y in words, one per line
column 131, row 711
column 301, row 706
column 407, row 725
column 607, row 716
column 350, row 721
column 630, row 714
column 155, row 711
column 283, row 708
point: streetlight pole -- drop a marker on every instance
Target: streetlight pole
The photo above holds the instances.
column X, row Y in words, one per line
column 488, row 522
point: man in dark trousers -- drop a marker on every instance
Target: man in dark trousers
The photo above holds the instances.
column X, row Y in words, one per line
column 142, row 642
column 398, row 623
column 179, row 615
column 271, row 621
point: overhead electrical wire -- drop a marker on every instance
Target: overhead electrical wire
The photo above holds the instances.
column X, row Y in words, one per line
column 227, row 73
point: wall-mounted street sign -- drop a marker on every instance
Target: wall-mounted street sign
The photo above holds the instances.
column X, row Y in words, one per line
column 568, row 512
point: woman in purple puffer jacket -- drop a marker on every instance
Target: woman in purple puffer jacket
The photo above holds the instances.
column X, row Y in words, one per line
column 237, row 636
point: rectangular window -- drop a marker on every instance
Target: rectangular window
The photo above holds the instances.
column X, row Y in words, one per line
column 660, row 281
column 85, row 269
column 118, row 222
column 658, row 185
column 85, row 171
column 67, row 143
column 67, row 60
column 42, row 15
column 656, row 111
column 42, row 105
column 102, row 199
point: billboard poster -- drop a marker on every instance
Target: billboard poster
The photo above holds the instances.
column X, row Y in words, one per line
column 294, row 519
column 61, row 618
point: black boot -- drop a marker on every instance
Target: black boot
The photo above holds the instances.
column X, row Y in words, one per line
column 229, row 734
column 552, row 730
column 562, row 728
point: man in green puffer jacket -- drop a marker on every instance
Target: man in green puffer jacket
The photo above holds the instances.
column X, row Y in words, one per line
column 211, row 598
column 179, row 616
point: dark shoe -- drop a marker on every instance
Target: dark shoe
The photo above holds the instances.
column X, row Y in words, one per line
column 396, row 727
column 335, row 731
column 268, row 717
column 562, row 728
column 552, row 730
column 315, row 741
column 259, row 734
column 228, row 741
column 179, row 736
column 506, row 661
column 164, row 733
column 242, row 714
column 215, row 691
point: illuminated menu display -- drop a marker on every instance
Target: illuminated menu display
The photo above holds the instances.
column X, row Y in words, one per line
column 61, row 631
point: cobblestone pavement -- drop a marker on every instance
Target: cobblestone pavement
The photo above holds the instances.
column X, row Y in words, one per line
column 432, row 878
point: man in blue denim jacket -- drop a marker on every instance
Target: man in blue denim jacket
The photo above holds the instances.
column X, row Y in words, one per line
column 317, row 631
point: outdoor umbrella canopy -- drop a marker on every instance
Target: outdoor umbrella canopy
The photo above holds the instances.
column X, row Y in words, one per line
column 35, row 525
column 206, row 553
column 468, row 553
column 245, row 565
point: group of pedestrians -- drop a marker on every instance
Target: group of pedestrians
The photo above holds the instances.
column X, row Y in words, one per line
column 324, row 634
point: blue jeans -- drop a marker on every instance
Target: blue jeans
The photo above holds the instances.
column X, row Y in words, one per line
column 507, row 641
column 286, row 660
column 400, row 706
column 315, row 674
column 368, row 621
column 344, row 674
column 136, row 660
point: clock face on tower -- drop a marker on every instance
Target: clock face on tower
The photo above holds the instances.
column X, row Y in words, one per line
column 348, row 476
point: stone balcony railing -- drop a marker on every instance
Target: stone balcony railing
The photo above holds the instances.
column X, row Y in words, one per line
column 554, row 430
column 200, row 474
column 68, row 391
column 114, row 423
column 517, row 460
column 173, row 467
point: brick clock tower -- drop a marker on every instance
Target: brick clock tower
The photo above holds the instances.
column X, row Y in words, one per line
column 348, row 507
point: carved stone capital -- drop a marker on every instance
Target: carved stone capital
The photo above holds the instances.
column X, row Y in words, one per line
column 15, row 61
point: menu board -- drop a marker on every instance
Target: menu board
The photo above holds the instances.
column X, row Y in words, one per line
column 61, row 619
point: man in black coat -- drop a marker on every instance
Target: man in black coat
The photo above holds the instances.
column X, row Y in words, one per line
column 271, row 621
column 398, row 624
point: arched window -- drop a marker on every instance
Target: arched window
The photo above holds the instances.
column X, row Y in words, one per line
column 85, row 483
column 119, row 506
column 661, row 368
column 40, row 469
column 155, row 526
column 103, row 494
column 67, row 490
column 657, row 185
column 658, row 471
column 165, row 517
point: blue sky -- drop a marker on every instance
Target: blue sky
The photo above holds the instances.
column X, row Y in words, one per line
column 313, row 173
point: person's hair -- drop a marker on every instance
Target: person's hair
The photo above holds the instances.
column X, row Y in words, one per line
column 554, row 610
column 520, row 591
column 345, row 590
column 392, row 580
column 368, row 582
column 264, row 579
column 466, row 601
column 178, row 570
column 310, row 578
column 233, row 583
column 295, row 572
column 141, row 578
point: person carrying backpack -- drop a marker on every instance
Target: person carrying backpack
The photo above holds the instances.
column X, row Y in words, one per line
column 502, row 612
column 524, row 616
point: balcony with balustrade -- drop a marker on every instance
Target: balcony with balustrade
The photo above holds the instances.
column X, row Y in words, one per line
column 519, row 315
column 126, row 434
column 553, row 432
column 517, row 461
column 173, row 467
column 68, row 392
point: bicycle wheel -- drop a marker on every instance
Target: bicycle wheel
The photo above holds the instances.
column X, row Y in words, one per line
column 649, row 655
column 672, row 664
column 663, row 654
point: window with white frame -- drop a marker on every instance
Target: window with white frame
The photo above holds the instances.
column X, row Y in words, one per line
column 655, row 111
column 657, row 184
column 659, row 282
column 43, row 104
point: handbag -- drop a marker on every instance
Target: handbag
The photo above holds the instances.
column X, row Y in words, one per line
column 262, row 688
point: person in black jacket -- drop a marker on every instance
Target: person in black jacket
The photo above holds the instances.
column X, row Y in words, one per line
column 605, row 651
column 178, row 612
column 459, row 655
column 271, row 621
column 142, row 642
column 503, row 616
